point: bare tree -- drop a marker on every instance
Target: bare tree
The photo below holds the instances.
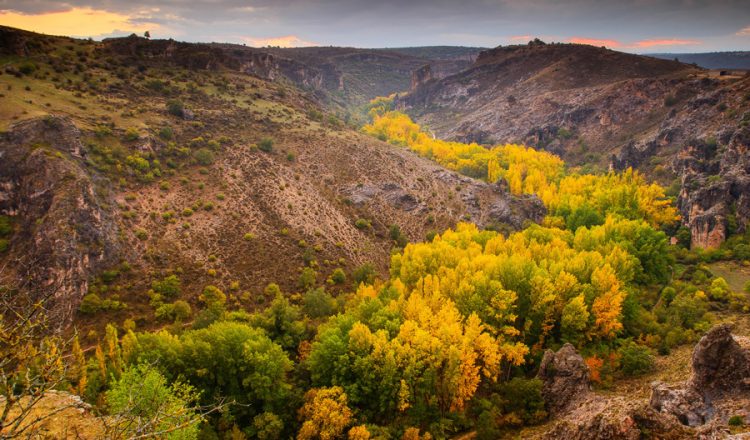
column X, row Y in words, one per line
column 33, row 360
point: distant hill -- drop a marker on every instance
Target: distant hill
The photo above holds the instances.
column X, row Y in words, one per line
column 439, row 52
column 710, row 60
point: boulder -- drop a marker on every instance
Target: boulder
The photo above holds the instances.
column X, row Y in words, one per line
column 720, row 364
column 565, row 378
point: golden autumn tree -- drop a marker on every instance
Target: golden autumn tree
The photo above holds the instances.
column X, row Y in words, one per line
column 325, row 414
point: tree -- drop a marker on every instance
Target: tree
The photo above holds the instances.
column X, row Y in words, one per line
column 33, row 360
column 575, row 317
column 147, row 35
column 143, row 405
column 325, row 414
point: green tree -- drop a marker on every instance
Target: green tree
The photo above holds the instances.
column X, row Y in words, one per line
column 142, row 404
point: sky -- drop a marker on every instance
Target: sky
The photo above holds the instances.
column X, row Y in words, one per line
column 638, row 26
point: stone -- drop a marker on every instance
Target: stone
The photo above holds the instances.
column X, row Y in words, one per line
column 565, row 378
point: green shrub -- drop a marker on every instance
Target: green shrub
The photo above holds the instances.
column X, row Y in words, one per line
column 307, row 278
column 4, row 243
column 362, row 223
column 27, row 68
column 736, row 421
column 91, row 303
column 176, row 108
column 204, row 156
column 248, row 236
column 266, row 144
column 132, row 134
column 338, row 276
column 5, row 227
column 317, row 303
column 166, row 133
column 635, row 359
column 522, row 398
column 141, row 234
column 169, row 286
column 364, row 274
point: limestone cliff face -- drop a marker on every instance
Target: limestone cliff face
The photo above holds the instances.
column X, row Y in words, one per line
column 65, row 229
column 715, row 191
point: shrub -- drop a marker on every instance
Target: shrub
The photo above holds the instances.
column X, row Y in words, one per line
column 169, row 286
column 736, row 421
column 176, row 108
column 91, row 303
column 307, row 278
column 522, row 399
column 317, row 303
column 187, row 212
column 248, row 236
column 338, row 276
column 141, row 234
column 364, row 274
column 362, row 223
column 204, row 156
column 166, row 133
column 5, row 227
column 635, row 359
column 266, row 144
column 132, row 134
column 27, row 68
column 3, row 244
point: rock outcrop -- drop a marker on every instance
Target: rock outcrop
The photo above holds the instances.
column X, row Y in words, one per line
column 721, row 372
column 715, row 177
column 65, row 228
column 565, row 378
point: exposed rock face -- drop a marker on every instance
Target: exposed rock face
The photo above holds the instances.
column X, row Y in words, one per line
column 685, row 404
column 484, row 204
column 715, row 185
column 721, row 373
column 720, row 364
column 65, row 231
column 565, row 378
column 421, row 76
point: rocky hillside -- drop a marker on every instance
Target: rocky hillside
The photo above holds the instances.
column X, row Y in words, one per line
column 351, row 77
column 600, row 108
column 130, row 160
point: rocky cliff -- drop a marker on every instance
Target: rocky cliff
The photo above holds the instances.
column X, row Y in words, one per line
column 66, row 230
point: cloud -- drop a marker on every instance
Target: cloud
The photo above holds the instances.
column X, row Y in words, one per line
column 285, row 41
column 595, row 42
column 521, row 38
column 641, row 44
column 79, row 22
column 744, row 32
column 664, row 42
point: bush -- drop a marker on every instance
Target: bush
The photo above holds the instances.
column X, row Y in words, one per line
column 176, row 108
column 166, row 133
column 5, row 227
column 141, row 234
column 27, row 68
column 266, row 144
column 307, row 278
column 204, row 156
column 132, row 134
column 635, row 359
column 362, row 223
column 522, row 398
column 736, row 421
column 317, row 303
column 3, row 244
column 338, row 276
column 248, row 236
column 91, row 303
column 364, row 274
column 168, row 287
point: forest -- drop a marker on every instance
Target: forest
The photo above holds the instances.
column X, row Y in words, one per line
column 448, row 343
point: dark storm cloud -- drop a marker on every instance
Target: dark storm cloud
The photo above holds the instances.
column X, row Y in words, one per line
column 635, row 25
